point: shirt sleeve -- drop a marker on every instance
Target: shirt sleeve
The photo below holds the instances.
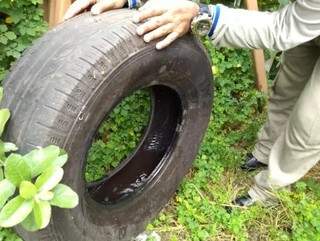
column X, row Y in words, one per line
column 286, row 28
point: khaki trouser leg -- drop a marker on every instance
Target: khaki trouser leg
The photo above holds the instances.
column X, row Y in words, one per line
column 295, row 71
column 297, row 148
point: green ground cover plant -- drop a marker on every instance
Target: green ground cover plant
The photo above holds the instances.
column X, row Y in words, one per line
column 21, row 21
column 119, row 135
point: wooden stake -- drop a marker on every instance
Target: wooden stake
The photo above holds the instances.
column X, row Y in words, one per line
column 258, row 56
column 55, row 9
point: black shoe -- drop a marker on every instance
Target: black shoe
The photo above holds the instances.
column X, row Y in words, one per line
column 244, row 201
column 252, row 164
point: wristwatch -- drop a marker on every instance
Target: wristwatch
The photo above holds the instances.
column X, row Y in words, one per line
column 202, row 24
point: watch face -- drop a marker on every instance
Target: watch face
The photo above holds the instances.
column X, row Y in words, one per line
column 203, row 27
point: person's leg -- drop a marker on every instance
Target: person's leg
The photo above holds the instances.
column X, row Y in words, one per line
column 295, row 71
column 297, row 149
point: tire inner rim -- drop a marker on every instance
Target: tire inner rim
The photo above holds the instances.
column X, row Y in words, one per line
column 144, row 164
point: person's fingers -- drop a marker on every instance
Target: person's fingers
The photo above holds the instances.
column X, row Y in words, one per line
column 152, row 24
column 168, row 40
column 77, row 7
column 148, row 13
column 158, row 33
column 102, row 6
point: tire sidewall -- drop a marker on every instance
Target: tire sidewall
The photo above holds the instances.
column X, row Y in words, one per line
column 149, row 67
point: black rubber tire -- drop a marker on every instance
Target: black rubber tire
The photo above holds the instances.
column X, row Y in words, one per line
column 65, row 85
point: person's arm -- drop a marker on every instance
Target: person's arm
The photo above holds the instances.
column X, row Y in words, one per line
column 286, row 28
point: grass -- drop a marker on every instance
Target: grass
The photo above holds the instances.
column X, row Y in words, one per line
column 198, row 210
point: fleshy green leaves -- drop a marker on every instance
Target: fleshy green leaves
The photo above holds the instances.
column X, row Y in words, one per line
column 42, row 159
column 1, row 173
column 64, row 197
column 6, row 147
column 60, row 160
column 4, row 117
column 27, row 190
column 15, row 212
column 42, row 214
column 45, row 196
column 7, row 189
column 17, row 170
column 49, row 179
column 32, row 208
column 39, row 218
column 29, row 223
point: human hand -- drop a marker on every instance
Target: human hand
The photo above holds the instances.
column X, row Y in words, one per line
column 170, row 18
column 98, row 6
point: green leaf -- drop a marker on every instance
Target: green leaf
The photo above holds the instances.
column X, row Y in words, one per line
column 7, row 189
column 32, row 32
column 29, row 223
column 17, row 170
column 49, row 179
column 15, row 211
column 60, row 161
column 45, row 196
column 4, row 117
column 27, row 190
column 3, row 28
column 41, row 159
column 14, row 53
column 3, row 40
column 9, row 147
column 64, row 197
column 42, row 214
column 1, row 173
column 2, row 153
column 10, row 35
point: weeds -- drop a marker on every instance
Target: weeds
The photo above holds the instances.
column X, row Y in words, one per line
column 198, row 211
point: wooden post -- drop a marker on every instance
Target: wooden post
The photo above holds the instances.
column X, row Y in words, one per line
column 258, row 56
column 55, row 9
